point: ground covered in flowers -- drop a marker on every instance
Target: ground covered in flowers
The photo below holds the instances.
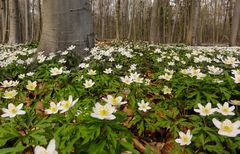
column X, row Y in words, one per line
column 123, row 98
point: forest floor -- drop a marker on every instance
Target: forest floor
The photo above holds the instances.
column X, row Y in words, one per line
column 122, row 98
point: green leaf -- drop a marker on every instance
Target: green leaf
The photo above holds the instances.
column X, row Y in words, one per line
column 97, row 148
column 12, row 150
column 129, row 147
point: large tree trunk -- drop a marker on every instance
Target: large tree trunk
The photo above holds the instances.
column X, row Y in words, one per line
column 174, row 21
column 117, row 17
column 154, row 22
column 5, row 22
column 235, row 23
column 131, row 20
column 14, row 28
column 65, row 23
column 124, row 19
column 27, row 20
column 195, row 22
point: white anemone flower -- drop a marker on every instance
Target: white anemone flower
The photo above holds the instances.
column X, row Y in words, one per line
column 21, row 76
column 6, row 83
column 53, row 109
column 31, row 85
column 91, row 72
column 166, row 90
column 116, row 101
column 103, row 111
column 185, row 139
column 66, row 105
column 225, row 109
column 51, row 148
column 55, row 71
column 10, row 94
column 205, row 110
column 83, row 65
column 13, row 110
column 128, row 80
column 88, row 83
column 15, row 83
column 227, row 128
column 108, row 71
column 142, row 106
column 235, row 102
column 119, row 66
column 166, row 76
column 236, row 78
column 30, row 74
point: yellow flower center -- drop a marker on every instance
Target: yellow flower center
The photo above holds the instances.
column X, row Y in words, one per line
column 88, row 84
column 66, row 105
column 31, row 86
column 13, row 110
column 9, row 94
column 53, row 108
column 185, row 138
column 227, row 128
column 144, row 106
column 206, row 110
column 225, row 110
column 114, row 101
column 103, row 112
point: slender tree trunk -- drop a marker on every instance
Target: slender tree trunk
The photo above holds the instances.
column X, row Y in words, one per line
column 5, row 19
column 154, row 22
column 230, row 15
column 131, row 20
column 14, row 28
column 67, row 23
column 33, row 38
column 125, row 19
column 174, row 21
column 195, row 22
column 117, row 17
column 190, row 25
column 40, row 19
column 235, row 23
column 1, row 19
column 27, row 17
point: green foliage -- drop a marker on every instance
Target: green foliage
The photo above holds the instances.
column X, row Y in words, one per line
column 76, row 131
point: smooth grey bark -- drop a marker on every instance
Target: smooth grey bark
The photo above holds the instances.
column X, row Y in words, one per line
column 5, row 19
column 195, row 21
column 27, row 20
column 117, row 18
column 154, row 22
column 65, row 23
column 14, row 28
column 235, row 23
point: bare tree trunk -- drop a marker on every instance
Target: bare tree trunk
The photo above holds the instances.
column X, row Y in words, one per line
column 67, row 23
column 102, row 20
column 40, row 19
column 131, row 20
column 33, row 21
column 190, row 25
column 125, row 19
column 117, row 18
column 175, row 20
column 14, row 28
column 154, row 21
column 1, row 19
column 235, row 23
column 27, row 23
column 5, row 19
column 195, row 22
